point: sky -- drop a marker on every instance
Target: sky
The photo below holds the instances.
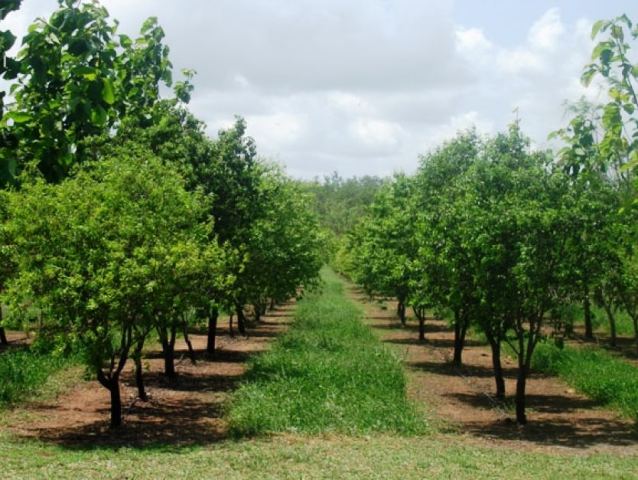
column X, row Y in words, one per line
column 363, row 87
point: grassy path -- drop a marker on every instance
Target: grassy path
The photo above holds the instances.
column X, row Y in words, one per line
column 328, row 373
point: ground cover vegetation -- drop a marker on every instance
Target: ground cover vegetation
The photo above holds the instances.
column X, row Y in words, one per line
column 328, row 373
column 511, row 241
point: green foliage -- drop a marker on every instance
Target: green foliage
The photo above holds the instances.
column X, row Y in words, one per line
column 382, row 245
column 340, row 203
column 23, row 373
column 104, row 251
column 327, row 373
column 596, row 373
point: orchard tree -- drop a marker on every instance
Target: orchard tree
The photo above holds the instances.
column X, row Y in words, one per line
column 386, row 244
column 96, row 252
column 284, row 246
column 445, row 279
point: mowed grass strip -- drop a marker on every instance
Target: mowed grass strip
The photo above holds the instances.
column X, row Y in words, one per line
column 594, row 372
column 328, row 373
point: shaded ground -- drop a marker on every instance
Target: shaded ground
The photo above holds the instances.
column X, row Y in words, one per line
column 461, row 398
column 186, row 411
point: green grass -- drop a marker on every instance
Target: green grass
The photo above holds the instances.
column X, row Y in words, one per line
column 328, row 373
column 25, row 373
column 293, row 457
column 594, row 372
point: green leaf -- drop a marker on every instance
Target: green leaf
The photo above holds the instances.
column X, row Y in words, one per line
column 108, row 92
column 18, row 117
column 98, row 116
column 596, row 28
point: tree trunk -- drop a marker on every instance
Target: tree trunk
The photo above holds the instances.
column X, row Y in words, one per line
column 212, row 331
column 189, row 344
column 257, row 310
column 272, row 304
column 401, row 311
column 422, row 328
column 139, row 373
column 460, row 329
column 498, row 368
column 612, row 322
column 116, row 403
column 521, row 381
column 113, row 386
column 230, row 326
column 3, row 335
column 168, row 348
column 589, row 329
column 139, row 379
column 241, row 319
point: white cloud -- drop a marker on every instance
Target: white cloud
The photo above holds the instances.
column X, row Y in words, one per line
column 547, row 31
column 363, row 86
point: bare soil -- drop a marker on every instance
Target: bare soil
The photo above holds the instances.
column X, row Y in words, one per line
column 461, row 399
column 185, row 411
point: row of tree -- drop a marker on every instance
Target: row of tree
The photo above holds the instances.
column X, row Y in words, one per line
column 121, row 217
column 494, row 235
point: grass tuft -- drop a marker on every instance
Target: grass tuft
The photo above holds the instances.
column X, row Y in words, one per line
column 594, row 372
column 328, row 373
column 24, row 373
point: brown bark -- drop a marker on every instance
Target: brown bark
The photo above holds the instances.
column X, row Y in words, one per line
column 212, row 331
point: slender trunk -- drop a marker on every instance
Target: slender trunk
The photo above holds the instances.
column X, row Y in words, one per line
column 401, row 311
column 212, row 331
column 272, row 304
column 116, row 403
column 264, row 308
column 589, row 329
column 3, row 335
column 460, row 329
column 495, row 345
column 257, row 310
column 112, row 384
column 168, row 348
column 230, row 326
column 612, row 322
column 521, row 381
column 139, row 380
column 422, row 328
column 139, row 372
column 189, row 344
column 241, row 319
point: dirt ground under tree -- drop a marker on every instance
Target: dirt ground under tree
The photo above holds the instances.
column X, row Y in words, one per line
column 185, row 411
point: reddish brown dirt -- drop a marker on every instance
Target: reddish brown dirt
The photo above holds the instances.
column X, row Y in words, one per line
column 185, row 411
column 461, row 399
